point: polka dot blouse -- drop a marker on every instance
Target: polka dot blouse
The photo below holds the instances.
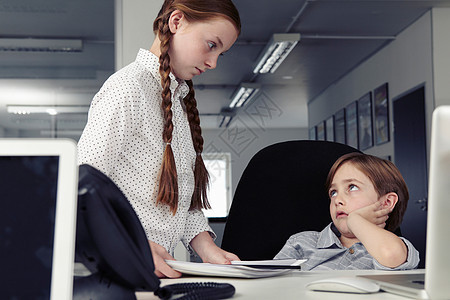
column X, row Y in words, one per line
column 123, row 139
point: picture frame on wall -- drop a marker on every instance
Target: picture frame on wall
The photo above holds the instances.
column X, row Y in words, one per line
column 351, row 124
column 329, row 129
column 381, row 114
column 386, row 157
column 312, row 133
column 339, row 126
column 365, row 127
column 321, row 131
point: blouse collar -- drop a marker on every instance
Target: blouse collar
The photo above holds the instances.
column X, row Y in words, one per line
column 151, row 62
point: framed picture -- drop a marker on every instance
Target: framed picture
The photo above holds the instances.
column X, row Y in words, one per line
column 329, row 129
column 351, row 124
column 339, row 126
column 312, row 133
column 365, row 128
column 321, row 131
column 381, row 110
column 387, row 157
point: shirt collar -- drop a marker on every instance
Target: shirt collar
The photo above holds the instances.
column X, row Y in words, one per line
column 328, row 237
column 151, row 62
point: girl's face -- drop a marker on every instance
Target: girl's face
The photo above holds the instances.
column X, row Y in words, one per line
column 350, row 189
column 196, row 46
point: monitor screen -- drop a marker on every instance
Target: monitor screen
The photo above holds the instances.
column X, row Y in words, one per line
column 28, row 189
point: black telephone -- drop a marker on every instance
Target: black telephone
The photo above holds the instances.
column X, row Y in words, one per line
column 113, row 246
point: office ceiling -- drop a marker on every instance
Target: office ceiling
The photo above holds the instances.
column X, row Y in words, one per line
column 336, row 36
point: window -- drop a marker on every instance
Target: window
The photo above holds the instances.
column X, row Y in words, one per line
column 219, row 193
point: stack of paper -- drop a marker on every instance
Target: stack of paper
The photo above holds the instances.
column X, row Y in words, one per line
column 241, row 269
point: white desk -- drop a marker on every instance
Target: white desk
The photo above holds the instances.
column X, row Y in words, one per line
column 291, row 286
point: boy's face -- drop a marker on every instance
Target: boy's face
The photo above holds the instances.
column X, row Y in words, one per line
column 350, row 189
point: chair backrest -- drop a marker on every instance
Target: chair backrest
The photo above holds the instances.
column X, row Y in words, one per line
column 281, row 192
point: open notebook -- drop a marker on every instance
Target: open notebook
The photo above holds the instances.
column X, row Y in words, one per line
column 38, row 192
column 434, row 283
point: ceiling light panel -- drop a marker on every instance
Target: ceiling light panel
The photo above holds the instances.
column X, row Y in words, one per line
column 279, row 47
column 245, row 91
column 40, row 45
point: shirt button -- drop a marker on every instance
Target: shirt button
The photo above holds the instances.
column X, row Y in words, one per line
column 351, row 250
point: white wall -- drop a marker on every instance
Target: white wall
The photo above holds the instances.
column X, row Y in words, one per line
column 134, row 28
column 404, row 63
column 441, row 55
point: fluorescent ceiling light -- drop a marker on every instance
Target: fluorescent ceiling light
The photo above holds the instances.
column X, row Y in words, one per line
column 227, row 114
column 47, row 109
column 226, row 120
column 276, row 51
column 245, row 91
column 44, row 45
column 61, row 132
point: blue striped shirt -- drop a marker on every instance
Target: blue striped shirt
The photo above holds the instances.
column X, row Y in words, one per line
column 324, row 251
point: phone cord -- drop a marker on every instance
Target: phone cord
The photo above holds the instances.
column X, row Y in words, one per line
column 196, row 291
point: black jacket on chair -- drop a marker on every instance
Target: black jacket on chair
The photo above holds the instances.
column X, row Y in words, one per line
column 281, row 192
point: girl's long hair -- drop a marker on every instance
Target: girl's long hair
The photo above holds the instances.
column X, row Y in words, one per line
column 194, row 11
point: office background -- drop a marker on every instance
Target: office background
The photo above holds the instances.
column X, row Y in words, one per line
column 416, row 57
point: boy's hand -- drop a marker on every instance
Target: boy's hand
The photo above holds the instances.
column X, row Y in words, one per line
column 367, row 224
column 374, row 213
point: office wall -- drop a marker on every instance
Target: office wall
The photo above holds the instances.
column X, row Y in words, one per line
column 441, row 56
column 134, row 28
column 404, row 63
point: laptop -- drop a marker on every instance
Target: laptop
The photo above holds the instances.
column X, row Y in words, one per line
column 38, row 193
column 434, row 282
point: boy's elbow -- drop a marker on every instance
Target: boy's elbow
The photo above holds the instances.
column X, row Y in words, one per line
column 393, row 257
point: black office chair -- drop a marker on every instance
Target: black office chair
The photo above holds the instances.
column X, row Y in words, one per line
column 281, row 192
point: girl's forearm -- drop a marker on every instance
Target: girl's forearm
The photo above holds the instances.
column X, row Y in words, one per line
column 201, row 242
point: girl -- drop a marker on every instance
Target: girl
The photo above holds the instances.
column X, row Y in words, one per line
column 143, row 129
column 368, row 198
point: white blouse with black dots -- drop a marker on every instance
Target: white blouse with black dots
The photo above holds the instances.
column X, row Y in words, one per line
column 123, row 139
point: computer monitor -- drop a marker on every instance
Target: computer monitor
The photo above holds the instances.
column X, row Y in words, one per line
column 38, row 188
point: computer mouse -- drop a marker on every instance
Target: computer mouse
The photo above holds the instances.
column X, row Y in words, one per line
column 357, row 285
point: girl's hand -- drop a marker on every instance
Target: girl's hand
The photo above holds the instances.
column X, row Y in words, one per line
column 162, row 269
column 215, row 255
column 209, row 252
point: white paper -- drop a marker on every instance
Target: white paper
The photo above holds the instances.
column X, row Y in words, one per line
column 239, row 271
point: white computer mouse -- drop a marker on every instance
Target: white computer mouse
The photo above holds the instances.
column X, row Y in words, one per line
column 344, row 285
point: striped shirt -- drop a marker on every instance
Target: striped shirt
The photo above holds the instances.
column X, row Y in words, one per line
column 324, row 251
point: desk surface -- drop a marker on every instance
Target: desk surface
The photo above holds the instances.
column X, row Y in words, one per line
column 291, row 286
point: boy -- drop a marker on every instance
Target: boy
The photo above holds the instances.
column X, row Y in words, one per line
column 368, row 198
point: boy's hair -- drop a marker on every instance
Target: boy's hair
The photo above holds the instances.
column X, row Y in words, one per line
column 385, row 178
column 194, row 11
